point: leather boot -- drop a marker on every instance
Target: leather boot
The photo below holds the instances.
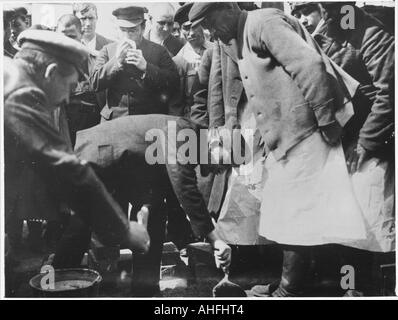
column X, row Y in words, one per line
column 296, row 260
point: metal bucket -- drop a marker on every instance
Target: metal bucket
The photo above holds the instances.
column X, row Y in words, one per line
column 67, row 283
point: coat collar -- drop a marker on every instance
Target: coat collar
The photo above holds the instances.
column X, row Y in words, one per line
column 231, row 49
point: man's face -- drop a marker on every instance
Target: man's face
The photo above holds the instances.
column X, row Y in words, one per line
column 135, row 33
column 89, row 22
column 70, row 31
column 220, row 24
column 309, row 18
column 185, row 29
column 196, row 36
column 18, row 25
column 60, row 87
column 176, row 30
column 163, row 25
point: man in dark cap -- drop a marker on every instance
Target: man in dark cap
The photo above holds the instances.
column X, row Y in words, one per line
column 308, row 13
column 276, row 52
column 189, row 57
column 41, row 170
column 138, row 75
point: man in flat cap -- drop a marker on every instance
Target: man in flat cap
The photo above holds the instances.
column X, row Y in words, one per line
column 41, row 170
column 189, row 57
column 138, row 75
column 294, row 101
column 308, row 13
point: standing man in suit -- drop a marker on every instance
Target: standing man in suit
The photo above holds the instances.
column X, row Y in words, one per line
column 88, row 15
column 136, row 80
column 294, row 103
column 83, row 111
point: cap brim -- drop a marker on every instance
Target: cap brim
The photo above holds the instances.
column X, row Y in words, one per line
column 128, row 24
column 198, row 22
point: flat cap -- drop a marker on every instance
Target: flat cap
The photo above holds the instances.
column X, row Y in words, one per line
column 129, row 17
column 200, row 10
column 55, row 44
column 297, row 6
column 181, row 15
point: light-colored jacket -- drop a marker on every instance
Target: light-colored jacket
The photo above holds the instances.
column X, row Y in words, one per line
column 285, row 79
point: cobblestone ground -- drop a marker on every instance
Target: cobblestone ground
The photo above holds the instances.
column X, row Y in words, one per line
column 250, row 266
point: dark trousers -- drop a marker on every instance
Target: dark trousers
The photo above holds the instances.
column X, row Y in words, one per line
column 295, row 268
column 147, row 188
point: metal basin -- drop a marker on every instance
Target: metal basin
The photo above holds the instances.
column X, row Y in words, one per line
column 67, row 283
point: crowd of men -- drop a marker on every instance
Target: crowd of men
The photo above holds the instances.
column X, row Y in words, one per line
column 317, row 96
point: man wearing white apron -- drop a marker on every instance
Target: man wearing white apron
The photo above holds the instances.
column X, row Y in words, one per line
column 307, row 196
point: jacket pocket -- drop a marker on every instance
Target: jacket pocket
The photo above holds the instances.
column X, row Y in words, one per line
column 105, row 155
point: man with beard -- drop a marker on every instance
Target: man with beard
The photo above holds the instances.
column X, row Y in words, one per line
column 294, row 102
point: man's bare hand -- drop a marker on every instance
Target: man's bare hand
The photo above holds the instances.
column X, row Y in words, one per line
column 136, row 58
column 222, row 254
column 137, row 238
column 355, row 158
column 121, row 52
column 143, row 216
column 332, row 133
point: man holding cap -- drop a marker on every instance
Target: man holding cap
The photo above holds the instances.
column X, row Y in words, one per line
column 294, row 100
column 41, row 170
column 138, row 75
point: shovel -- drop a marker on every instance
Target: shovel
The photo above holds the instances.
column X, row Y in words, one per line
column 226, row 288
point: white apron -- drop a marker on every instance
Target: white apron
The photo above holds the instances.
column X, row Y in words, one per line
column 374, row 190
column 308, row 198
